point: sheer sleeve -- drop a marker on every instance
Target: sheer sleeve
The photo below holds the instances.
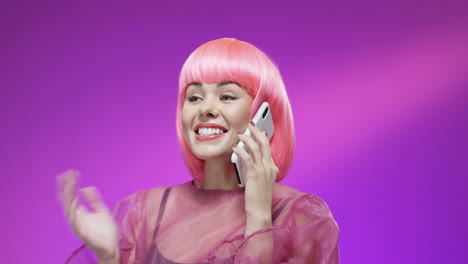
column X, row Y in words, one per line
column 129, row 215
column 305, row 232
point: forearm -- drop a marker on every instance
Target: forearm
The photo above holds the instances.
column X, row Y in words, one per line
column 110, row 261
column 114, row 259
column 260, row 246
column 257, row 222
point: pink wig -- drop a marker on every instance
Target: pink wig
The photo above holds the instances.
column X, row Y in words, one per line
column 229, row 59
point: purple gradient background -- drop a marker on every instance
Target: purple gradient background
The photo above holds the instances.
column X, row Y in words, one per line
column 378, row 92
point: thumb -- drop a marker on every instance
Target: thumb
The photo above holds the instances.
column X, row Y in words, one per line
column 94, row 200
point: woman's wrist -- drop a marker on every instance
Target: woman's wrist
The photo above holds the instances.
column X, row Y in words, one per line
column 257, row 221
column 113, row 258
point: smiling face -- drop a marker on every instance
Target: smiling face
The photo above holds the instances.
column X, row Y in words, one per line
column 212, row 116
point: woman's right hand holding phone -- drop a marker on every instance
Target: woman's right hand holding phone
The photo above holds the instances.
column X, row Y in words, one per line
column 97, row 228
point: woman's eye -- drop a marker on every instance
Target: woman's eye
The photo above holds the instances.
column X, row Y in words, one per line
column 227, row 97
column 193, row 98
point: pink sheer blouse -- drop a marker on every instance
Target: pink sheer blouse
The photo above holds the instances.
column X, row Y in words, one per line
column 185, row 224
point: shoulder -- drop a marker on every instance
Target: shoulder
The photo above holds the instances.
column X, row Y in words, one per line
column 140, row 201
column 310, row 223
column 290, row 195
column 299, row 198
column 147, row 197
column 301, row 206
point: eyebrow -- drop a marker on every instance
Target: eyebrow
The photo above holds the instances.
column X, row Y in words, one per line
column 223, row 83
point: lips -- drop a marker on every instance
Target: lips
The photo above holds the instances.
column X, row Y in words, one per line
column 205, row 138
column 209, row 125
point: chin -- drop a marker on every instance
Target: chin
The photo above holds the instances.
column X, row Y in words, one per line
column 205, row 150
column 212, row 154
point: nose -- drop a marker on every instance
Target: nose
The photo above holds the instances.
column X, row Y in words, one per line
column 208, row 108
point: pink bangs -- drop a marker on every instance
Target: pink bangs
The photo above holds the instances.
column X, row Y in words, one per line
column 223, row 59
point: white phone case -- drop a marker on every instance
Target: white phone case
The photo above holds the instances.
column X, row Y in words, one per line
column 263, row 121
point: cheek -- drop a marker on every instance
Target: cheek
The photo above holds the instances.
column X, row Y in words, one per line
column 186, row 128
column 240, row 117
column 186, row 120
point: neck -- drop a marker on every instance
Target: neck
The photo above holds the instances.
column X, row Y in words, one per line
column 219, row 175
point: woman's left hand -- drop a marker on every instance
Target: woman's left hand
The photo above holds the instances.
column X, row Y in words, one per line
column 261, row 173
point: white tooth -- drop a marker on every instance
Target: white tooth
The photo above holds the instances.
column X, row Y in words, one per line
column 204, row 131
column 209, row 131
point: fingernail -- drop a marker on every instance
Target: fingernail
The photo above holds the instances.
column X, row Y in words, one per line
column 252, row 123
column 266, row 133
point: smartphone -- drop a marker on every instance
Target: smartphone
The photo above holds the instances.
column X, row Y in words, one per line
column 263, row 121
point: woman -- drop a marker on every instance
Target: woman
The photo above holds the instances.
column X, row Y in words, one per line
column 210, row 219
